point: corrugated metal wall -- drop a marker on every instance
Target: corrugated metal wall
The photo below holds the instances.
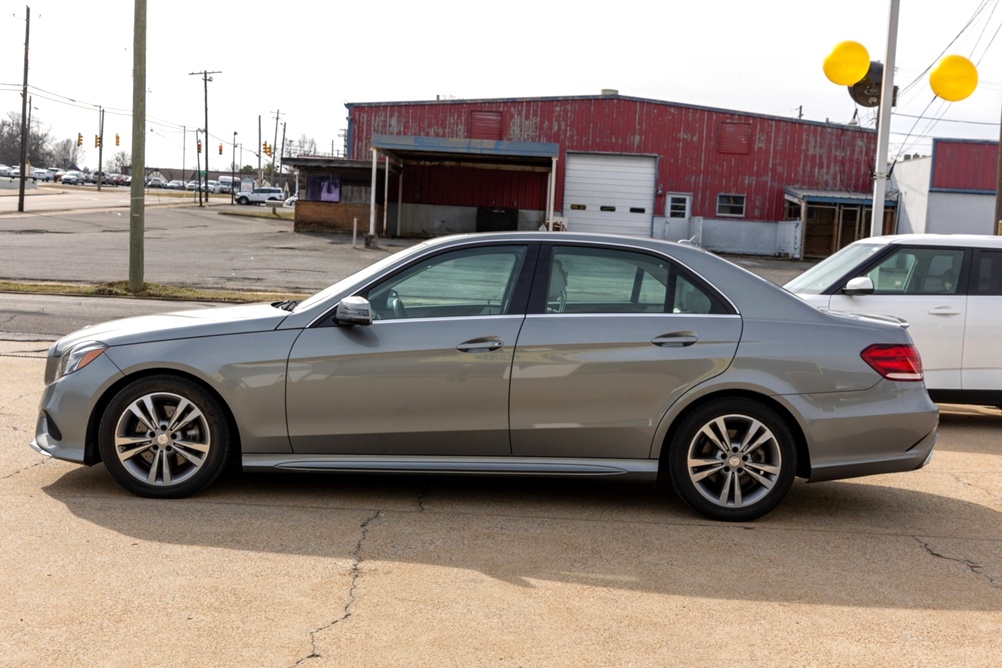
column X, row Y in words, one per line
column 686, row 139
column 964, row 165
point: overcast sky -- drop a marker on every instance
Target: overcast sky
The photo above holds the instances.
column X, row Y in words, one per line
column 306, row 58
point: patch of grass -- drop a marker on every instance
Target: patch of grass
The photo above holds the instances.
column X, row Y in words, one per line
column 150, row 291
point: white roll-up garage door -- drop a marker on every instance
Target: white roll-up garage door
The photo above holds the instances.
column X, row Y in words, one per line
column 610, row 193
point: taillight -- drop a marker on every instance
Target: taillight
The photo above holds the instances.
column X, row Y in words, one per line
column 894, row 361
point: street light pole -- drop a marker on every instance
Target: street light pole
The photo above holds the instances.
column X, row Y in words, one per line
column 884, row 124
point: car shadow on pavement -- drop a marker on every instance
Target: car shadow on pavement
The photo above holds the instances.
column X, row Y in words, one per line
column 841, row 543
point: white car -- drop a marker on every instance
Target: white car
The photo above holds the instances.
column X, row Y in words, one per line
column 948, row 287
column 260, row 195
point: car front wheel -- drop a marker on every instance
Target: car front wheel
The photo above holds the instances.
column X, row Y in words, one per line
column 733, row 459
column 242, row 200
column 164, row 437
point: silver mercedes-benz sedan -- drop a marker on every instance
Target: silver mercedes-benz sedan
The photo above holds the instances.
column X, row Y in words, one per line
column 547, row 354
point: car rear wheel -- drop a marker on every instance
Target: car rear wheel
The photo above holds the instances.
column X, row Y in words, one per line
column 164, row 437
column 733, row 459
column 242, row 200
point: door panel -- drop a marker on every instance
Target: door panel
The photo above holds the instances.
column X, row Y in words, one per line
column 983, row 335
column 597, row 385
column 403, row 387
column 922, row 285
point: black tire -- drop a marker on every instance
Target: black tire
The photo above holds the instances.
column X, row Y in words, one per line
column 242, row 200
column 733, row 459
column 155, row 455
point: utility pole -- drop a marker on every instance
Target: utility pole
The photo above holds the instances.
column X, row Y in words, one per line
column 24, row 109
column 880, row 175
column 998, row 189
column 198, row 169
column 274, row 174
column 100, row 148
column 137, row 200
column 260, row 174
column 233, row 167
column 281, row 153
column 205, row 82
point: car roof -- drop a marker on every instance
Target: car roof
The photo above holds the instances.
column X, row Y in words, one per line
column 975, row 240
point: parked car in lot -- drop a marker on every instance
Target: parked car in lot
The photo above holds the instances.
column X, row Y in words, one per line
column 260, row 195
column 156, row 182
column 292, row 200
column 41, row 174
column 947, row 287
column 73, row 179
column 5, row 170
column 175, row 185
column 555, row 354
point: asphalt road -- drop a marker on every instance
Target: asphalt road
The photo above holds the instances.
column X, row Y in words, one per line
column 283, row 570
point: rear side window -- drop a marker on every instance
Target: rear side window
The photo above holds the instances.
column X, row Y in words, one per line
column 593, row 280
column 987, row 273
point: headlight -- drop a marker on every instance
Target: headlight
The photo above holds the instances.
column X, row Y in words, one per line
column 79, row 356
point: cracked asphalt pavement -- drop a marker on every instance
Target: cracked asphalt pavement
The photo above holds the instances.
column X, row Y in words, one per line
column 338, row 570
column 285, row 570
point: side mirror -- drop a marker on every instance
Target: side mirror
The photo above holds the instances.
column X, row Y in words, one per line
column 354, row 311
column 861, row 285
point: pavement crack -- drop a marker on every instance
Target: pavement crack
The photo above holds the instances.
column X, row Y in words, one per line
column 356, row 574
column 40, row 462
column 968, row 483
column 972, row 567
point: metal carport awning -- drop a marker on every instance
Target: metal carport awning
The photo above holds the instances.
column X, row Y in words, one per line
column 479, row 153
column 814, row 196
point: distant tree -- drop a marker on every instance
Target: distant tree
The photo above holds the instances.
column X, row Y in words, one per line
column 305, row 146
column 40, row 150
column 10, row 140
column 119, row 162
column 66, row 153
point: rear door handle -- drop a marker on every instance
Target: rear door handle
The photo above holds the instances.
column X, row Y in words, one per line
column 484, row 345
column 943, row 310
column 676, row 340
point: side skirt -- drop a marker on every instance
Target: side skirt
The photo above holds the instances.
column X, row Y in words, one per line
column 635, row 469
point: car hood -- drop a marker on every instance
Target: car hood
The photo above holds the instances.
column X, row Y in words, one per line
column 178, row 325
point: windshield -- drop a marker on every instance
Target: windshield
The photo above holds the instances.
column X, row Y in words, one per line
column 357, row 277
column 821, row 276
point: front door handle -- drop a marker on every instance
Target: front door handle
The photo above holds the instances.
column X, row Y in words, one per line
column 943, row 310
column 482, row 345
column 675, row 340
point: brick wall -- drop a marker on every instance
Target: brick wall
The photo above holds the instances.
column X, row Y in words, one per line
column 334, row 217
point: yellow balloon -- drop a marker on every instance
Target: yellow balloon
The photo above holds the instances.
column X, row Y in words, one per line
column 953, row 78
column 847, row 64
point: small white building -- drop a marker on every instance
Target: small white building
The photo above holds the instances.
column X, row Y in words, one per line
column 950, row 192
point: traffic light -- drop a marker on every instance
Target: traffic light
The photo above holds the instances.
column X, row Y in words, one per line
column 116, row 139
column 97, row 141
column 199, row 145
column 220, row 149
column 79, row 139
column 267, row 149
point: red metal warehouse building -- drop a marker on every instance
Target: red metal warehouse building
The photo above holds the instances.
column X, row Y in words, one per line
column 613, row 163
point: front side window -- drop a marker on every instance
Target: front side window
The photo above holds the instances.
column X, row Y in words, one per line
column 917, row 271
column 591, row 280
column 461, row 283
